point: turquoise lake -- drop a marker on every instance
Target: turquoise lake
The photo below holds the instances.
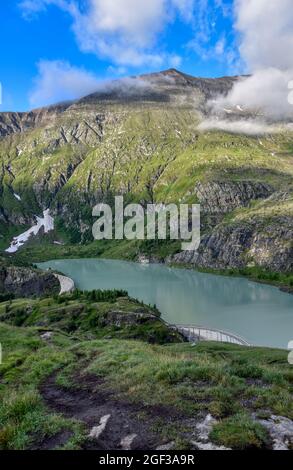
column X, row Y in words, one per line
column 262, row 314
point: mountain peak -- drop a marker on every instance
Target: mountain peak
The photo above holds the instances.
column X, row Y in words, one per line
column 167, row 72
column 172, row 75
column 171, row 71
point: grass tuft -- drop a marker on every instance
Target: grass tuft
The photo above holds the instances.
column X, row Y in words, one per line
column 240, row 432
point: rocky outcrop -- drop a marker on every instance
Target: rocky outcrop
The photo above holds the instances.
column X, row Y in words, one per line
column 244, row 244
column 15, row 123
column 280, row 429
column 225, row 247
column 221, row 249
column 218, row 197
column 26, row 282
column 272, row 248
column 122, row 319
column 261, row 239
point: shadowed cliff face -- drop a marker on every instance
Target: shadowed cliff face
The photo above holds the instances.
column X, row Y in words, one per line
column 139, row 137
column 26, row 282
column 245, row 245
column 11, row 123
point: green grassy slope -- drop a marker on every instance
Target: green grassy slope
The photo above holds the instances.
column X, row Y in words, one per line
column 95, row 314
column 187, row 382
column 148, row 150
column 148, row 153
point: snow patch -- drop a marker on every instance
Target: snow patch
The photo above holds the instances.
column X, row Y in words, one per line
column 46, row 221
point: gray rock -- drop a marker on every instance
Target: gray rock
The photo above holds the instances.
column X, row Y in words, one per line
column 168, row 446
column 27, row 282
column 208, row 446
column 122, row 319
column 205, row 427
column 127, row 441
column 281, row 431
column 243, row 245
column 203, row 430
column 97, row 431
column 223, row 197
column 47, row 336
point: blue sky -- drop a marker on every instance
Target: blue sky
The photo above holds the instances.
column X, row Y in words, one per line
column 60, row 49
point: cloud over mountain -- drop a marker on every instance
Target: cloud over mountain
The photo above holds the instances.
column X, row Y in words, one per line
column 59, row 81
column 266, row 42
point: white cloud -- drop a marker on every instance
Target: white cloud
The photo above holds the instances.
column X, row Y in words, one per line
column 32, row 7
column 241, row 126
column 118, row 71
column 174, row 61
column 267, row 33
column 29, row 7
column 266, row 44
column 134, row 22
column 226, row 8
column 59, row 81
column 124, row 31
column 266, row 91
column 186, row 8
column 220, row 46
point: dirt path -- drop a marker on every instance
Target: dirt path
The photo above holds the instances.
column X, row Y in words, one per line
column 113, row 424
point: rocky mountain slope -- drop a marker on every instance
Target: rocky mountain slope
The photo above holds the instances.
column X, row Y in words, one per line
column 26, row 282
column 140, row 138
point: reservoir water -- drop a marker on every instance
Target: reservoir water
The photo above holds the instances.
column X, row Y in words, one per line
column 262, row 314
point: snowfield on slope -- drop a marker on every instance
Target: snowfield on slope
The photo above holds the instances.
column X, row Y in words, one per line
column 46, row 221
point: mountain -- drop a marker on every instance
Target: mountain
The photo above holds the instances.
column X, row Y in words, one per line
column 140, row 137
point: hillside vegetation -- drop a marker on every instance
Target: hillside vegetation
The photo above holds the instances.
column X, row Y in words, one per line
column 68, row 364
column 146, row 146
column 99, row 370
column 95, row 314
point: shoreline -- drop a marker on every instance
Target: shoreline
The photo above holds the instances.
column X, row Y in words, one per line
column 284, row 285
column 279, row 285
